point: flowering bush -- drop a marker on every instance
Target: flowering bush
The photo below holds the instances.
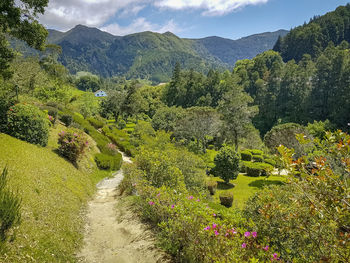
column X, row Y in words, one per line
column 27, row 122
column 72, row 144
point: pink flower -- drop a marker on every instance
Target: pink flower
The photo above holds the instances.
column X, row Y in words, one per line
column 172, row 206
column 214, row 225
column 207, row 228
column 214, row 214
column 275, row 257
column 266, row 248
column 247, row 234
column 158, row 194
column 216, row 233
column 190, row 197
column 227, row 234
column 254, row 234
column 244, row 245
column 198, row 200
column 233, row 231
column 75, row 135
column 151, row 203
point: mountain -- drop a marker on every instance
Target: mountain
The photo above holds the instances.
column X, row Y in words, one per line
column 150, row 55
column 313, row 37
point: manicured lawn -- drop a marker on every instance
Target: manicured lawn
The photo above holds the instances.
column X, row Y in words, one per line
column 53, row 194
column 243, row 187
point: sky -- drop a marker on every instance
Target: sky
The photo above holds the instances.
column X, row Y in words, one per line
column 186, row 18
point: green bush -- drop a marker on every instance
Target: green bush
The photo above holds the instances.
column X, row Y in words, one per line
column 121, row 139
column 226, row 164
column 246, row 155
column 109, row 162
column 256, row 152
column 5, row 103
column 212, row 186
column 121, row 124
column 28, row 123
column 271, row 162
column 72, row 144
column 257, row 169
column 10, row 206
column 226, row 199
column 242, row 167
column 98, row 124
column 258, row 158
column 67, row 119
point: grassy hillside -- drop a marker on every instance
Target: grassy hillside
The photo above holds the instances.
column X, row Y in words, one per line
column 53, row 193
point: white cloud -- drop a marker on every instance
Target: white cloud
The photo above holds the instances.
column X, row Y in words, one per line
column 210, row 7
column 139, row 25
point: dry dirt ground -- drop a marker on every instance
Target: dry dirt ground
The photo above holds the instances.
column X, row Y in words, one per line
column 113, row 233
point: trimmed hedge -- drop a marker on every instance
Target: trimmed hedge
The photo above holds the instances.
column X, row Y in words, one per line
column 270, row 161
column 212, row 186
column 257, row 169
column 258, row 158
column 121, row 139
column 246, row 155
column 98, row 124
column 109, row 162
column 226, row 199
column 256, row 152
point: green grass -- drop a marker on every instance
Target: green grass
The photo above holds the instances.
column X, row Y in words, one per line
column 53, row 194
column 244, row 187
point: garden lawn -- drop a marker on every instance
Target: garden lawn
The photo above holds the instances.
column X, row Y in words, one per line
column 244, row 187
column 53, row 194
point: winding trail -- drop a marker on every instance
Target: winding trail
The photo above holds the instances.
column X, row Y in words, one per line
column 113, row 233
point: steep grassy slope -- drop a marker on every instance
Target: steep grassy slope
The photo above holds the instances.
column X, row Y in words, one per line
column 53, row 193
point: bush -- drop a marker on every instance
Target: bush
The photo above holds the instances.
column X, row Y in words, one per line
column 258, row 158
column 212, row 186
column 226, row 199
column 109, row 162
column 28, row 123
column 121, row 139
column 226, row 164
column 98, row 124
column 271, row 162
column 121, row 124
column 67, row 119
column 10, row 206
column 256, row 152
column 72, row 144
column 5, row 104
column 258, row 169
column 246, row 155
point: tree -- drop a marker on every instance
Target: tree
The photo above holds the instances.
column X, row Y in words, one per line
column 88, row 83
column 112, row 104
column 236, row 112
column 18, row 19
column 226, row 164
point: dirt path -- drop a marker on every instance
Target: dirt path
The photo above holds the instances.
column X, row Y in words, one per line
column 113, row 233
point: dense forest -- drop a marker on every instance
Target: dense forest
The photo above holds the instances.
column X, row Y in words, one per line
column 244, row 165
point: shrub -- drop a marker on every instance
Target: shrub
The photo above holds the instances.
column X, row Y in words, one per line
column 271, row 162
column 256, row 152
column 257, row 169
column 10, row 206
column 121, row 124
column 5, row 103
column 226, row 164
column 246, row 155
column 212, row 186
column 98, row 124
column 109, row 162
column 258, row 158
column 67, row 119
column 72, row 144
column 121, row 139
column 226, row 199
column 28, row 123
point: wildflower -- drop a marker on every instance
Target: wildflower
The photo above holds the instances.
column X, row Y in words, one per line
column 216, row 233
column 190, row 197
column 214, row 225
column 158, row 194
column 254, row 234
column 244, row 245
column 198, row 200
column 227, row 234
column 75, row 135
column 151, row 203
column 275, row 256
column 266, row 248
column 233, row 231
column 207, row 228
column 172, row 206
column 214, row 214
column 247, row 234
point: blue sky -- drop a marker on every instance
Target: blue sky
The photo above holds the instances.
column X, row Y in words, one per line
column 186, row 18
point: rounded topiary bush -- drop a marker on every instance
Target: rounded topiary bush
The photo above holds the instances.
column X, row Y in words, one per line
column 226, row 199
column 246, row 155
column 270, row 161
column 258, row 158
column 212, row 186
column 258, row 169
column 28, row 123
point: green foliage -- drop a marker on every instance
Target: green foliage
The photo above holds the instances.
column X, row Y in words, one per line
column 72, row 144
column 88, row 83
column 270, row 161
column 319, row 128
column 121, row 124
column 28, row 123
column 246, row 155
column 10, row 208
column 256, row 169
column 212, row 186
column 67, row 119
column 226, row 164
column 166, row 118
column 109, row 162
column 258, row 158
column 121, row 139
column 226, row 199
column 98, row 124
column 5, row 103
column 256, row 152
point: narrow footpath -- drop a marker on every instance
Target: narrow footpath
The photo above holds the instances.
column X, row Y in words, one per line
column 113, row 234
